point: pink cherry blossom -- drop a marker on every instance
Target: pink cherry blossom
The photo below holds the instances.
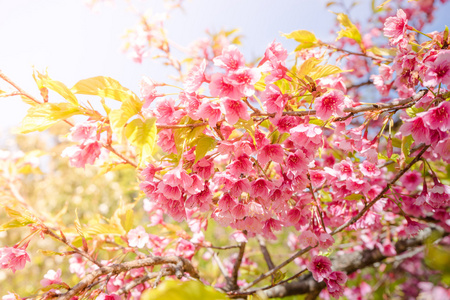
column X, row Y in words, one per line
column 442, row 148
column 241, row 165
column 417, row 128
column 104, row 296
column 137, row 237
column 245, row 79
column 275, row 52
column 239, row 236
column 178, row 177
column 437, row 70
column 271, row 152
column 325, row 241
column 438, row 117
column 234, row 109
column 148, row 91
column 210, row 111
column 274, row 100
column 84, row 154
column 83, row 132
column 239, row 211
column 308, row 239
column 439, row 195
column 369, row 169
column 330, row 104
column 395, row 29
column 13, row 258
column 240, row 186
column 221, row 86
column 231, row 59
column 195, row 78
column 204, row 168
column 261, row 188
column 51, row 277
column 411, row 180
column 166, row 111
column 320, row 267
column 271, row 225
column 335, row 282
column 166, row 141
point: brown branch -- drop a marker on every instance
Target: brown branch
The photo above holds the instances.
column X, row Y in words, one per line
column 18, row 88
column 181, row 263
column 354, row 110
column 232, row 283
column 265, row 252
column 349, row 263
column 380, row 195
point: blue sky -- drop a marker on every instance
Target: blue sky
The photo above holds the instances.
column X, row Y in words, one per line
column 74, row 42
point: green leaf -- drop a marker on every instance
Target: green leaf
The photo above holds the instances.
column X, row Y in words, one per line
column 43, row 81
column 142, row 135
column 204, row 144
column 177, row 290
column 348, row 29
column 43, row 116
column 354, row 197
column 109, row 229
column 278, row 276
column 382, row 51
column 104, row 87
column 14, row 224
column 306, row 39
column 21, row 218
column 119, row 117
column 325, row 70
column 413, row 111
column 127, row 220
column 50, row 253
column 308, row 66
column 406, row 145
column 248, row 126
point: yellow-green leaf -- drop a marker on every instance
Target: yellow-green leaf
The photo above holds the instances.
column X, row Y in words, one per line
column 43, row 80
column 188, row 290
column 307, row 67
column 104, row 87
column 348, row 29
column 382, row 51
column 142, row 135
column 110, row 229
column 42, row 116
column 306, row 39
column 204, row 144
column 325, row 70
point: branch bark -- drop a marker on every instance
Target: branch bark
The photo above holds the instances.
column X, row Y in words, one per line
column 349, row 263
column 181, row 265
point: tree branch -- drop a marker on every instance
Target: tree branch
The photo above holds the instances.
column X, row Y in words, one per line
column 354, row 110
column 349, row 263
column 181, row 263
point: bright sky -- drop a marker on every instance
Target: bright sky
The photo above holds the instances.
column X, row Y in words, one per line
column 75, row 43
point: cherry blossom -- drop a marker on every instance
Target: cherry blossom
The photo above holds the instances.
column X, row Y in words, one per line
column 330, row 104
column 138, row 237
column 395, row 28
column 320, row 267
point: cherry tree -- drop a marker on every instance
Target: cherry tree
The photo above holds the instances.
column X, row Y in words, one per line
column 320, row 170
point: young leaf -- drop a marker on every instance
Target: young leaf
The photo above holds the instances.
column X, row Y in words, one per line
column 104, row 87
column 142, row 135
column 348, row 29
column 306, row 39
column 204, row 144
column 43, row 81
column 175, row 290
column 42, row 116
